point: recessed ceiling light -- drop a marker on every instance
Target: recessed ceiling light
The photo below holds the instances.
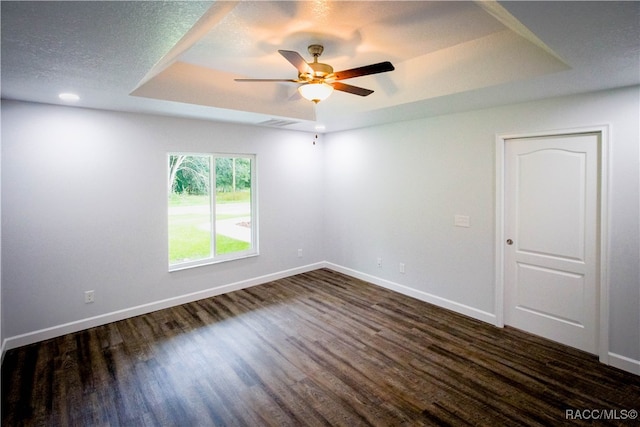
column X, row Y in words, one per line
column 320, row 128
column 69, row 97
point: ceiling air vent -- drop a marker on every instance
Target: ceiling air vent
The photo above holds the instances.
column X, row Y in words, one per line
column 277, row 123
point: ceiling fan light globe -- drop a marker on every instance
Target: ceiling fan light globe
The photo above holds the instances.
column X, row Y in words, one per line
column 315, row 92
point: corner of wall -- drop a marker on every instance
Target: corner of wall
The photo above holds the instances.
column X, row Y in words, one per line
column 1, row 331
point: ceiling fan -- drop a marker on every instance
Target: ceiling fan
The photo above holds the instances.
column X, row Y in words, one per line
column 317, row 80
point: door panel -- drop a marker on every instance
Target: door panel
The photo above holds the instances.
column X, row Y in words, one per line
column 536, row 283
column 550, row 205
column 551, row 195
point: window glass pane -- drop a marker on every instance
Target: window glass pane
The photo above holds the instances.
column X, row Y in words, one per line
column 210, row 209
column 233, row 205
column 189, row 208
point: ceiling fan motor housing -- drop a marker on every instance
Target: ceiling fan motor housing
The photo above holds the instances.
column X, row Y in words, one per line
column 320, row 71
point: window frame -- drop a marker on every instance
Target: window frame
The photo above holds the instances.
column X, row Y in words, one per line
column 214, row 258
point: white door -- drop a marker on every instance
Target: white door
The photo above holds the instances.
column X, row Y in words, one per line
column 551, row 243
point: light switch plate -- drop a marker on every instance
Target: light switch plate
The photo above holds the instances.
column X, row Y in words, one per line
column 461, row 221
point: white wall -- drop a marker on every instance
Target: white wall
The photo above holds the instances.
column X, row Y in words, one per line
column 84, row 207
column 392, row 192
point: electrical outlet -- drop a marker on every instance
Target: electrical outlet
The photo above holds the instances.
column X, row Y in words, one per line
column 379, row 262
column 89, row 297
column 299, row 253
column 401, row 267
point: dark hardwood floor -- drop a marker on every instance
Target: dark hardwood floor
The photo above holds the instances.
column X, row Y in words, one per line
column 315, row 349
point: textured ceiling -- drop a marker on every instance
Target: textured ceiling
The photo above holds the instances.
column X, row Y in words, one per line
column 180, row 58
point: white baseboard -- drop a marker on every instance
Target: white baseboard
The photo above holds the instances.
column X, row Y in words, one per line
column 621, row 362
column 422, row 296
column 624, row 363
column 79, row 325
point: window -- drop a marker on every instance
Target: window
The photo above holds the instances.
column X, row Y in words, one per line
column 211, row 208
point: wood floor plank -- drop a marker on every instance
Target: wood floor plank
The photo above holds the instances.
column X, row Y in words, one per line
column 315, row 349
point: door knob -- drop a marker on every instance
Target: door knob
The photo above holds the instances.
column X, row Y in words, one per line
column 509, row 242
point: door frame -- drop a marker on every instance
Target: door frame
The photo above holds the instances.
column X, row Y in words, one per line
column 602, row 328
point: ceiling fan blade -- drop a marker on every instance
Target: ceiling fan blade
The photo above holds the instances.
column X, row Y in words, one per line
column 267, row 80
column 351, row 89
column 380, row 67
column 296, row 60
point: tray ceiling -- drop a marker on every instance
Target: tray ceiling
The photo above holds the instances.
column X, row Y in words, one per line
column 180, row 58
